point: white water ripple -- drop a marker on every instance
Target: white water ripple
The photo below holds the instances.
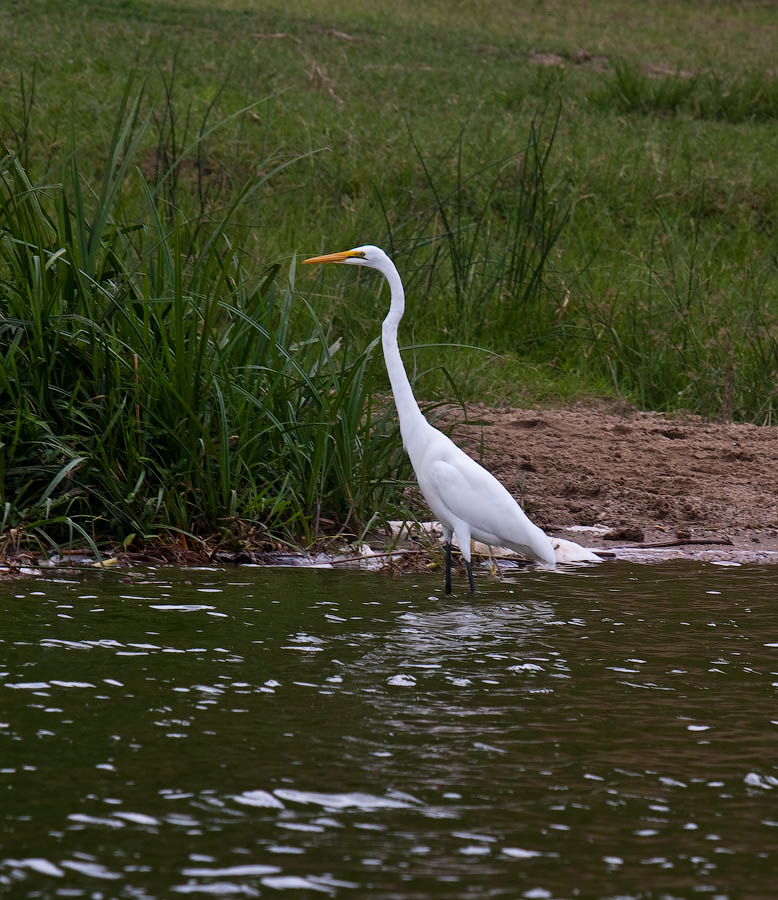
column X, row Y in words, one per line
column 354, row 800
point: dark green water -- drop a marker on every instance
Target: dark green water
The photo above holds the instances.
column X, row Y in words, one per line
column 610, row 732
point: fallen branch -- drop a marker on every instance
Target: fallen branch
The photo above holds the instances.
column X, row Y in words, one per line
column 683, row 542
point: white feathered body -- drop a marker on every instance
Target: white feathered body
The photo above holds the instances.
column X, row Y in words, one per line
column 469, row 501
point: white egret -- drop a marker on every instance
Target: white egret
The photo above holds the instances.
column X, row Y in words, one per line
column 468, row 501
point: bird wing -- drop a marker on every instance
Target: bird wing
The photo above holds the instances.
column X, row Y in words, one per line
column 471, row 494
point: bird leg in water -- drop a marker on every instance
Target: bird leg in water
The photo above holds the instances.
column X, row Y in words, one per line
column 470, row 575
column 448, row 567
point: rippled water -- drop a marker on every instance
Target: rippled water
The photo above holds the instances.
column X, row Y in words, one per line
column 608, row 732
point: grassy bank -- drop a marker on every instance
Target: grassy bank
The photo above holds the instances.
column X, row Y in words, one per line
column 585, row 193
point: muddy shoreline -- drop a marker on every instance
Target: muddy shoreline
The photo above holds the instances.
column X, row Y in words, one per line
column 610, row 477
column 636, row 485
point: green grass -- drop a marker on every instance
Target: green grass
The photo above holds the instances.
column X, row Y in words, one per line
column 748, row 96
column 582, row 199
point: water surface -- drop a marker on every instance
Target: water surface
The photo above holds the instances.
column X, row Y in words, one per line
column 603, row 732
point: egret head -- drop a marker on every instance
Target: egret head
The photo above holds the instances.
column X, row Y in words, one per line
column 368, row 255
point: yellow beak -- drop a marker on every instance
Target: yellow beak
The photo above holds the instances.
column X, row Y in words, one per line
column 341, row 256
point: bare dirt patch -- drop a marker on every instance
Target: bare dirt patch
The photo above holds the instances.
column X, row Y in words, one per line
column 639, row 474
column 581, row 57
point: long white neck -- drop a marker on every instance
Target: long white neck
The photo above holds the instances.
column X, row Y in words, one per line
column 407, row 407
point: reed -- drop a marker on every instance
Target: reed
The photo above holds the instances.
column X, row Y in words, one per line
column 149, row 382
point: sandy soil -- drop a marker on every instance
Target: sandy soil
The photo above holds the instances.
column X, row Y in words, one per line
column 644, row 477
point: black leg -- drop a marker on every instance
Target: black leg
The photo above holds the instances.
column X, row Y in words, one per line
column 470, row 575
column 448, row 567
